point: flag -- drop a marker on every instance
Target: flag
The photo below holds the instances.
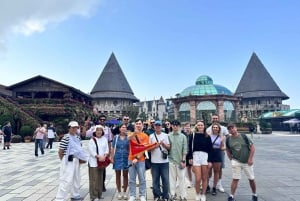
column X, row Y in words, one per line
column 139, row 148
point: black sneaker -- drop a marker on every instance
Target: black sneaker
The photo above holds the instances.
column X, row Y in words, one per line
column 231, row 198
column 208, row 189
column 214, row 191
column 254, row 198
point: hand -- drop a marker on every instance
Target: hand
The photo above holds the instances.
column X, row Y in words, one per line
column 134, row 161
column 250, row 162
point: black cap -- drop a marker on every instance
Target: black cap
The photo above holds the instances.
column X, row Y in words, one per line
column 175, row 122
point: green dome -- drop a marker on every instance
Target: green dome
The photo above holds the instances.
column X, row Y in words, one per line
column 204, row 86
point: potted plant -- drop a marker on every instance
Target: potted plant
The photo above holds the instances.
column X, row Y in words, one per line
column 26, row 132
column 27, row 139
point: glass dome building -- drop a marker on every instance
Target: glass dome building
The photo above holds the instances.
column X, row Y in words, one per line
column 205, row 86
column 203, row 99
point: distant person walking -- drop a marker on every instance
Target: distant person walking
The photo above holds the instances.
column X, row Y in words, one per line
column 39, row 133
column 7, row 132
column 240, row 151
column 51, row 136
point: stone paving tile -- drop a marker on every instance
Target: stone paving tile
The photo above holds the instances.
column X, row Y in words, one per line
column 276, row 169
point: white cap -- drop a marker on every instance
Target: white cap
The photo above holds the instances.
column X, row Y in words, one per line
column 73, row 124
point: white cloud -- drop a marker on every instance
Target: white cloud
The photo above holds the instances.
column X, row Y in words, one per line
column 31, row 16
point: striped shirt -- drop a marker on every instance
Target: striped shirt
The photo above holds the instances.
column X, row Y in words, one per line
column 65, row 142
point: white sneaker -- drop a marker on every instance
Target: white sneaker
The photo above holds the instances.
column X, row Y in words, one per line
column 203, row 197
column 119, row 196
column 142, row 198
column 131, row 198
column 125, row 196
column 220, row 188
column 198, row 197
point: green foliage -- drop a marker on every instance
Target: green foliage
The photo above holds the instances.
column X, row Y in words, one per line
column 26, row 131
column 7, row 117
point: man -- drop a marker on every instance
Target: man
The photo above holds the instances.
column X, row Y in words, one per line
column 187, row 131
column 150, row 129
column 71, row 155
column 137, row 163
column 109, row 137
column 51, row 136
column 224, row 132
column 7, row 132
column 177, row 156
column 240, row 150
column 126, row 122
column 160, row 163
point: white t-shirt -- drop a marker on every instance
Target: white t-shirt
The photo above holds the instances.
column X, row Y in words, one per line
column 156, row 153
column 224, row 130
column 51, row 133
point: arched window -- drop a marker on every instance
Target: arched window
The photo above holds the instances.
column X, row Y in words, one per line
column 184, row 112
column 229, row 114
column 205, row 109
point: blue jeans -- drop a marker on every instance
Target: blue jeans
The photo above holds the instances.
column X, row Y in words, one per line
column 139, row 170
column 38, row 144
column 160, row 170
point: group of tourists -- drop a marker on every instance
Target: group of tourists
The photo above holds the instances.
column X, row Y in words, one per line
column 174, row 153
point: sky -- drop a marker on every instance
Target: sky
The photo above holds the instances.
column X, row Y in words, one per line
column 162, row 46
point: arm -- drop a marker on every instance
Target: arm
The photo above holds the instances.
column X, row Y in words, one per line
column 251, row 154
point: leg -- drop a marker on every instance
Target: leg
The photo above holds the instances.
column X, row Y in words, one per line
column 118, row 180
column 234, row 185
column 93, row 177
column 132, row 180
column 75, row 187
column 172, row 178
column 141, row 176
column 36, row 144
column 104, row 176
column 155, row 168
column 125, row 180
column 253, row 186
column 181, row 181
column 197, row 171
column 204, row 176
column 165, row 180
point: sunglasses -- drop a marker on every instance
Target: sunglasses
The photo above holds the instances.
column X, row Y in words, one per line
column 125, row 119
column 102, row 119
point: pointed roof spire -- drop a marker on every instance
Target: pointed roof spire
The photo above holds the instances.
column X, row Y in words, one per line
column 112, row 82
column 257, row 82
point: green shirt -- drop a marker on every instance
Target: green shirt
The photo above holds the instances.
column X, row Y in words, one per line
column 178, row 148
column 239, row 148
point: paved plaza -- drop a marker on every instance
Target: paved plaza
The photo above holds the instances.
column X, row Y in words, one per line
column 277, row 171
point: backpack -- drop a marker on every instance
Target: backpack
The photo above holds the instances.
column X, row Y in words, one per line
column 245, row 139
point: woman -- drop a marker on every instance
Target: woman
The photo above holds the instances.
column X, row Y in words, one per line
column 119, row 158
column 95, row 173
column 215, row 157
column 199, row 147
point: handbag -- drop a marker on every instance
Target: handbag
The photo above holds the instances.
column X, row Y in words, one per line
column 164, row 153
column 106, row 162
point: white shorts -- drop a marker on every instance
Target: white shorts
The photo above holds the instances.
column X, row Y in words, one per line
column 237, row 168
column 200, row 158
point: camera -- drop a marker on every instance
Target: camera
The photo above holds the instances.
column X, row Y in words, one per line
column 164, row 154
column 70, row 158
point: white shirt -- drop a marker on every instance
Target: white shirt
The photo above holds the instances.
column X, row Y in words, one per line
column 156, row 153
column 102, row 149
column 224, row 130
